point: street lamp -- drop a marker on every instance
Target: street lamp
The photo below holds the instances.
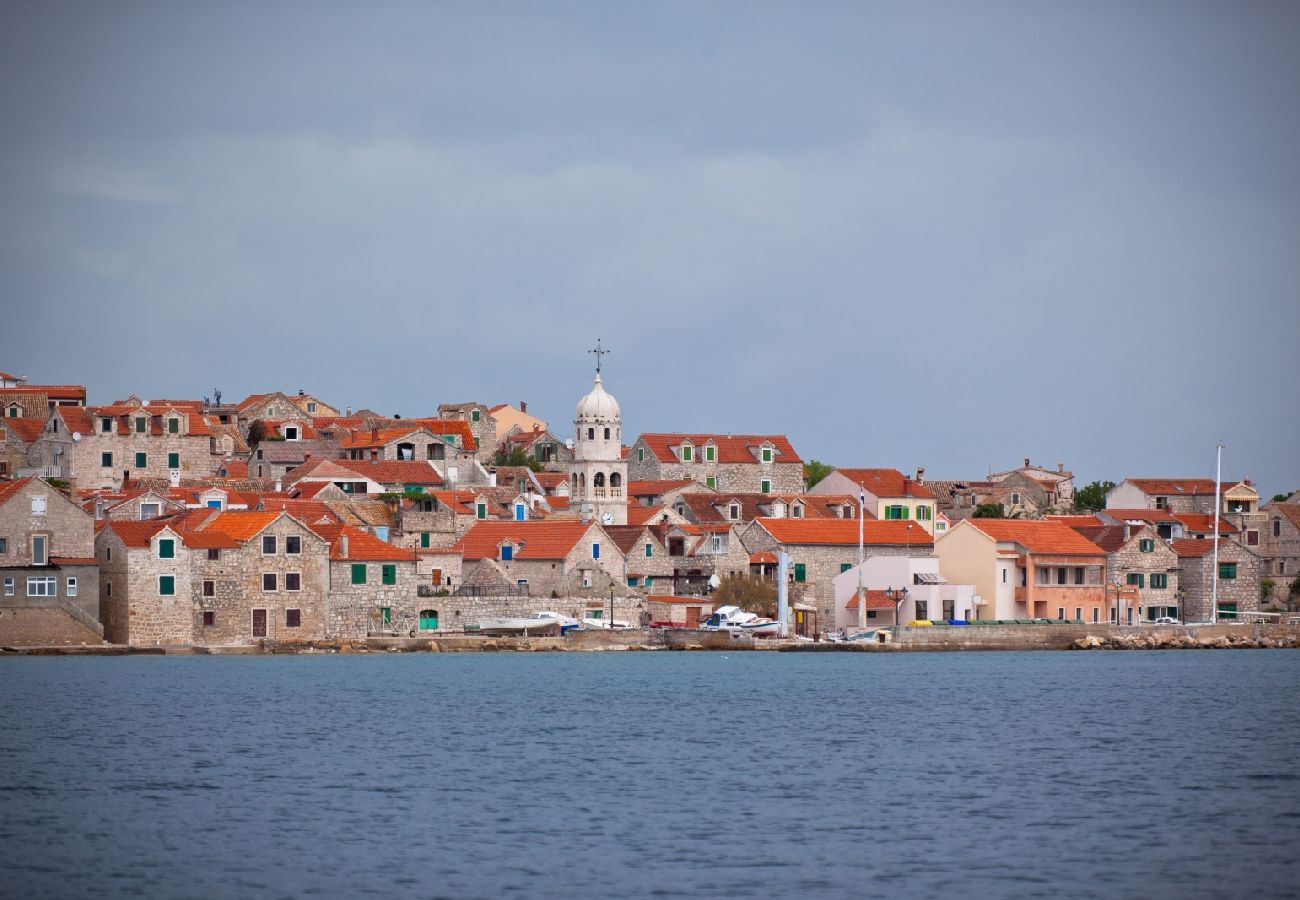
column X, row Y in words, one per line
column 611, row 606
column 897, row 596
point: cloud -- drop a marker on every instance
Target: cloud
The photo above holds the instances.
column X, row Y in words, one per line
column 108, row 183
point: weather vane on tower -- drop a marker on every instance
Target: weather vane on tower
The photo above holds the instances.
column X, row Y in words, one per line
column 599, row 353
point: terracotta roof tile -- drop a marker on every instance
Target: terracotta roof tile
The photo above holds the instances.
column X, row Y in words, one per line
column 1193, row 548
column 552, row 539
column 732, row 448
column 27, row 428
column 1142, row 515
column 1038, row 536
column 134, row 533
column 1201, row 523
column 844, row 532
column 1290, row 510
column 393, row 471
column 873, row 600
column 242, row 525
column 74, row 560
column 885, row 483
column 362, row 545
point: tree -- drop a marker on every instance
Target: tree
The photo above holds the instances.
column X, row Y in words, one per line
column 1092, row 497
column 749, row 594
column 989, row 511
column 1266, row 586
column 1280, row 498
column 814, row 471
column 516, row 457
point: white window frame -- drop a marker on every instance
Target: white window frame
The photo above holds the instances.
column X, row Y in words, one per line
column 766, row 455
column 70, row 587
column 9, row 586
column 289, row 590
column 44, row 557
column 48, row 583
column 38, row 505
column 275, row 545
column 274, row 590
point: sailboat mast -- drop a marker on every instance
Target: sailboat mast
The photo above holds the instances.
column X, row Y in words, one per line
column 1214, row 568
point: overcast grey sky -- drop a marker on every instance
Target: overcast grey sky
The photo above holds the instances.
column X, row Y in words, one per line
column 939, row 234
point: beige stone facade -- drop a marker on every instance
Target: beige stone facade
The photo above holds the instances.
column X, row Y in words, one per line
column 1238, row 576
column 761, row 464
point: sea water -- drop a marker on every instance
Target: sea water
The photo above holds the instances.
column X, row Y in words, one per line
column 724, row 774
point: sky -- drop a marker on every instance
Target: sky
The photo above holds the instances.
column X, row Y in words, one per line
column 948, row 235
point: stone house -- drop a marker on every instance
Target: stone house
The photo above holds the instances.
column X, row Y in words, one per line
column 671, row 611
column 1026, row 569
column 820, row 549
column 278, row 405
column 373, row 586
column 409, row 442
column 1044, row 490
column 551, row 558
column 549, row 450
column 889, row 493
column 662, row 493
column 648, row 565
column 746, row 463
column 482, row 424
column 1280, row 548
column 1137, row 557
column 274, row 460
column 509, row 418
column 50, row 582
column 137, row 505
column 370, row 476
column 1182, row 495
column 103, row 446
column 146, row 583
column 17, row 435
column 1238, row 576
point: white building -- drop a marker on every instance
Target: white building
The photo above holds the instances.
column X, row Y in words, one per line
column 929, row 596
column 598, row 473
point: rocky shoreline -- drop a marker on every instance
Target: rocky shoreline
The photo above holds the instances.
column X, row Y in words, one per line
column 1185, row 642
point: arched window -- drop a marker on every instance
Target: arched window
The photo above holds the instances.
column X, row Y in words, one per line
column 606, row 434
column 591, row 434
column 598, row 480
column 582, row 485
column 615, row 480
column 575, row 482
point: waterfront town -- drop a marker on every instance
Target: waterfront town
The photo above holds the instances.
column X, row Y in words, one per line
column 283, row 519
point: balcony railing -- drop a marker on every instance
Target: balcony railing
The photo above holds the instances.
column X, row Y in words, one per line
column 39, row 471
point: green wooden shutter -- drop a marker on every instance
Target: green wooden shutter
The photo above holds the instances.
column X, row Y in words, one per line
column 389, row 574
column 800, row 572
column 166, row 548
column 358, row 573
column 424, row 539
column 173, row 460
column 166, row 585
column 141, row 460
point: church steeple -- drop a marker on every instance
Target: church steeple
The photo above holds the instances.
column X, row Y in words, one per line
column 598, row 473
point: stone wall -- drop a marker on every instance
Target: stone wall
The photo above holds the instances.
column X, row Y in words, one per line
column 1161, row 560
column 42, row 626
column 786, row 478
column 1196, row 576
column 69, row 529
column 355, row 610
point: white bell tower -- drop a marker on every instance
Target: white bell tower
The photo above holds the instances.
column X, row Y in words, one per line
column 598, row 473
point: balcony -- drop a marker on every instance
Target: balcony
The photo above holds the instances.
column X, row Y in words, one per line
column 39, row 471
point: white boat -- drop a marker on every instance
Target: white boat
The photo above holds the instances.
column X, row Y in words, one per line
column 606, row 624
column 534, row 624
column 735, row 620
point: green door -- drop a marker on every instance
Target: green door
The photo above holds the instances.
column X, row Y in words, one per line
column 428, row 619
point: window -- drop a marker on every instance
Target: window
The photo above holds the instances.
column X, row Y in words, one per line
column 632, row 581
column 473, row 416
column 291, row 432
column 1252, row 538
column 606, row 434
column 268, row 545
column 844, row 567
column 1137, row 579
column 358, row 573
column 1004, row 575
column 424, row 540
column 709, row 454
column 595, row 550
column 141, row 460
column 293, row 544
column 214, row 553
column 173, row 460
column 1015, row 498
column 1078, row 575
column 1078, row 614
column 106, row 460
column 480, row 510
column 640, row 454
column 42, row 586
column 71, row 587
column 923, row 513
column 293, row 618
column 1146, row 545
column 209, row 618
column 710, row 481
column 800, row 572
column 150, row 510
column 897, row 511
column 173, row 425
column 1096, row 615
column 765, row 486
column 139, row 424
column 1277, row 528
column 166, row 548
column 108, row 589
column 105, row 425
column 38, row 505
column 40, row 550
column 270, row 583
column 388, row 574
column 209, row 589
column 1060, row 575
column 1162, row 503
column 293, row 581
column 733, row 511
column 1159, row 580
column 688, row 452
column 1227, row 571
column 649, row 550
column 649, row 581
column 767, row 454
column 9, row 587
column 166, row 585
column 1060, row 612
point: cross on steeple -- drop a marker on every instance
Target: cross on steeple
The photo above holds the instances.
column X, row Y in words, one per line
column 599, row 353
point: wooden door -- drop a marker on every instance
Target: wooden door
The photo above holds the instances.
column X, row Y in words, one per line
column 259, row 623
column 692, row 617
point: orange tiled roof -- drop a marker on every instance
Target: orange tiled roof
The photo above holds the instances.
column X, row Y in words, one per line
column 1290, row 510
column 1088, row 521
column 1181, row 487
column 1038, row 536
column 236, row 469
column 242, row 525
column 845, row 532
column 642, row 515
column 885, row 483
column 9, row 488
column 250, row 400
column 550, row 480
column 28, row 429
column 362, row 545
column 309, row 512
column 134, row 533
column 551, row 539
column 766, row 557
column 53, row 391
column 732, row 448
column 1193, row 548
column 1144, row 515
column 557, row 503
column 393, row 471
column 1204, row 522
column 77, row 419
column 1108, row 537
column 74, row 560
column 873, row 600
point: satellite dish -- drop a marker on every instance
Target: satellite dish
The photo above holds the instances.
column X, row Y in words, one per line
column 76, row 435
column 714, row 581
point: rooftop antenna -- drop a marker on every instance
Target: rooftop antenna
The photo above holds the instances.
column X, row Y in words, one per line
column 599, row 353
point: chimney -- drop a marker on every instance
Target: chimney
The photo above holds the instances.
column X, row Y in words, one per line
column 1246, row 481
column 279, row 486
column 300, row 393
column 920, row 474
column 348, row 411
column 99, row 508
column 523, row 406
column 174, row 477
column 374, row 436
column 536, row 427
column 1026, row 462
column 492, row 479
column 1060, row 468
column 1127, row 531
column 343, row 546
